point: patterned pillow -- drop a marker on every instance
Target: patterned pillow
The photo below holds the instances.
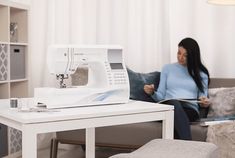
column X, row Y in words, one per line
column 222, row 102
column 137, row 82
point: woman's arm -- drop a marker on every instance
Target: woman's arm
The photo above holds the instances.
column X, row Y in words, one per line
column 203, row 96
column 161, row 91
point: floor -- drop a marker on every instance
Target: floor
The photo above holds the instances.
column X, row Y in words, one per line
column 67, row 151
column 77, row 152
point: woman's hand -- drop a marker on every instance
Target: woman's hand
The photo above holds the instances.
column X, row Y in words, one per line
column 204, row 101
column 149, row 89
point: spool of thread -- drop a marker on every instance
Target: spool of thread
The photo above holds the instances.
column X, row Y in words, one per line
column 13, row 102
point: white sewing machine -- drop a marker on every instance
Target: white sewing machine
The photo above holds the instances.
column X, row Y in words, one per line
column 108, row 81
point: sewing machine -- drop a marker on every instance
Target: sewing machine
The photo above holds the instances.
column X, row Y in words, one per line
column 108, row 81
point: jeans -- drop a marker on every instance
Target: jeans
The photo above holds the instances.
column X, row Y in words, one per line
column 182, row 118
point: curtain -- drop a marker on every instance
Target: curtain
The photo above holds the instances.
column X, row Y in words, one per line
column 140, row 27
column 27, row 2
column 148, row 30
column 213, row 26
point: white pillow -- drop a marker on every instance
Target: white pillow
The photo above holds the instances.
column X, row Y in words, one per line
column 222, row 102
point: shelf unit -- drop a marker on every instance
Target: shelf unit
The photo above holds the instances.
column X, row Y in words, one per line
column 13, row 60
column 13, row 50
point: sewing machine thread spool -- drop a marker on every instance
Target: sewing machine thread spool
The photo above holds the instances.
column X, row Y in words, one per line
column 13, row 102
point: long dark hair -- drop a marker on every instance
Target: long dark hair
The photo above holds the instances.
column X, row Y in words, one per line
column 194, row 63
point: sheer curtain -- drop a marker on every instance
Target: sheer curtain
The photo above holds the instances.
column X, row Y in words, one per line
column 141, row 27
column 213, row 26
column 148, row 30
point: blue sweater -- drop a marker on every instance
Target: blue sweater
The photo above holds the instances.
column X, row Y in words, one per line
column 175, row 82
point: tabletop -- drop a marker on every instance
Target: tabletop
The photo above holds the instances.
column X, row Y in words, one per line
column 79, row 112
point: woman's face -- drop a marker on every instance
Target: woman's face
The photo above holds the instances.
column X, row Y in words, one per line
column 182, row 56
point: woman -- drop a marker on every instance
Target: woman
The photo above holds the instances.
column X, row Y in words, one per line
column 186, row 79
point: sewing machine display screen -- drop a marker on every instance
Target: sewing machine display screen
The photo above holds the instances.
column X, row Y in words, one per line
column 115, row 58
column 116, row 66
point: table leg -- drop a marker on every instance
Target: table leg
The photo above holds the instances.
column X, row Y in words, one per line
column 168, row 125
column 29, row 143
column 90, row 142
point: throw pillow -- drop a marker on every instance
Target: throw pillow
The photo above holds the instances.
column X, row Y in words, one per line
column 222, row 102
column 223, row 136
column 137, row 82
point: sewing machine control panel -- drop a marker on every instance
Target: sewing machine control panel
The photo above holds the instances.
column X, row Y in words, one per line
column 116, row 76
column 119, row 78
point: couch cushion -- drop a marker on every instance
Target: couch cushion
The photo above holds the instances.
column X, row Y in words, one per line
column 130, row 135
column 164, row 148
column 137, row 82
column 222, row 102
column 199, row 133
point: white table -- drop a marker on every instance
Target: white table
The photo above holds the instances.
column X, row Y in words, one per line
column 33, row 123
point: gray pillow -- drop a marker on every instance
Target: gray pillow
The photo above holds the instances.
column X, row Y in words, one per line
column 222, row 102
column 137, row 82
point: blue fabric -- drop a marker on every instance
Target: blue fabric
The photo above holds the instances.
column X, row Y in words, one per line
column 177, row 83
column 137, row 82
column 181, row 122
